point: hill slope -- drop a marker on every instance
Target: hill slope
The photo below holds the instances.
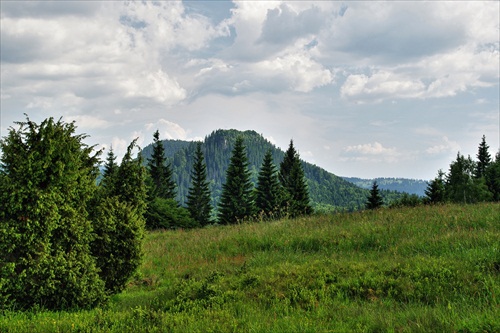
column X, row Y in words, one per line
column 425, row 269
column 410, row 186
column 326, row 189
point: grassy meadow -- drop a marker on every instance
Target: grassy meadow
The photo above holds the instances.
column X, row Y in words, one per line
column 424, row 269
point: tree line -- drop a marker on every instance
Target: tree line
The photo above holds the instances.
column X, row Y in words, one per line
column 69, row 241
column 276, row 193
column 467, row 181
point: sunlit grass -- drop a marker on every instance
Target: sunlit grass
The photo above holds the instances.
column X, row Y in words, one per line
column 424, row 269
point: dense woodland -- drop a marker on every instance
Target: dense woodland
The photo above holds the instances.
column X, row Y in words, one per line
column 71, row 235
column 327, row 191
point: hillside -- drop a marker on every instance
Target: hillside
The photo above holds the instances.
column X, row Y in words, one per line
column 327, row 191
column 410, row 186
column 425, row 269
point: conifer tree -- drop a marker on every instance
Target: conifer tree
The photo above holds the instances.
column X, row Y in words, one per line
column 374, row 199
column 48, row 179
column 493, row 177
column 267, row 191
column 461, row 186
column 163, row 185
column 198, row 198
column 435, row 191
column 119, row 224
column 236, row 203
column 110, row 170
column 292, row 179
column 483, row 159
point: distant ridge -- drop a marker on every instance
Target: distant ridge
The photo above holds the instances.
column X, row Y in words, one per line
column 327, row 191
column 410, row 186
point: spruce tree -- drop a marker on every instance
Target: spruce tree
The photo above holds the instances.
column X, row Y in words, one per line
column 483, row 159
column 267, row 191
column 198, row 198
column 163, row 185
column 109, row 172
column 435, row 191
column 236, row 203
column 461, row 186
column 291, row 176
column 493, row 177
column 374, row 199
column 119, row 224
column 48, row 179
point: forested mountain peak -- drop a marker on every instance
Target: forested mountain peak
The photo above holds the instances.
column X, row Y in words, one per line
column 326, row 189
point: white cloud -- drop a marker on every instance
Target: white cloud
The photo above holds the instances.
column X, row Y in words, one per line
column 375, row 148
column 381, row 85
column 446, row 146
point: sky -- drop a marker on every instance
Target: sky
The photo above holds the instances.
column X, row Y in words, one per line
column 364, row 89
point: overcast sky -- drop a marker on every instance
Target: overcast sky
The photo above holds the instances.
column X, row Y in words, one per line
column 365, row 89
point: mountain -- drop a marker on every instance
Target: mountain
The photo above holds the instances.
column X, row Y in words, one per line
column 410, row 186
column 327, row 191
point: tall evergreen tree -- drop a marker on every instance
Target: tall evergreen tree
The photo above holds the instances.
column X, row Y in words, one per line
column 461, row 186
column 109, row 172
column 493, row 177
column 119, row 224
column 435, row 191
column 48, row 179
column 198, row 198
column 163, row 185
column 374, row 199
column 267, row 191
column 292, row 179
column 236, row 203
column 483, row 159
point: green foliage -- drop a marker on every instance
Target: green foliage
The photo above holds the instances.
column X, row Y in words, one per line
column 374, row 200
column 48, row 179
column 291, row 175
column 268, row 192
column 198, row 199
column 118, row 220
column 236, row 202
column 483, row 159
column 167, row 214
column 435, row 192
column 117, row 246
column 493, row 178
column 160, row 173
column 130, row 186
column 461, row 185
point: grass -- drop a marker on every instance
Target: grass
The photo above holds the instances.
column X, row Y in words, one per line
column 424, row 269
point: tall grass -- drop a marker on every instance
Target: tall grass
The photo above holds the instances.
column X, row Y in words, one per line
column 424, row 269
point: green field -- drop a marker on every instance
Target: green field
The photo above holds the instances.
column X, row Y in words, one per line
column 424, row 269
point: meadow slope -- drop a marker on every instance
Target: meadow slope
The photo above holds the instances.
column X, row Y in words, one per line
column 424, row 269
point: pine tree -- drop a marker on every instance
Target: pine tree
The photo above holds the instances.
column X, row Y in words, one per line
column 374, row 199
column 292, row 179
column 48, row 179
column 236, row 203
column 163, row 185
column 267, row 191
column 435, row 191
column 198, row 198
column 483, row 159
